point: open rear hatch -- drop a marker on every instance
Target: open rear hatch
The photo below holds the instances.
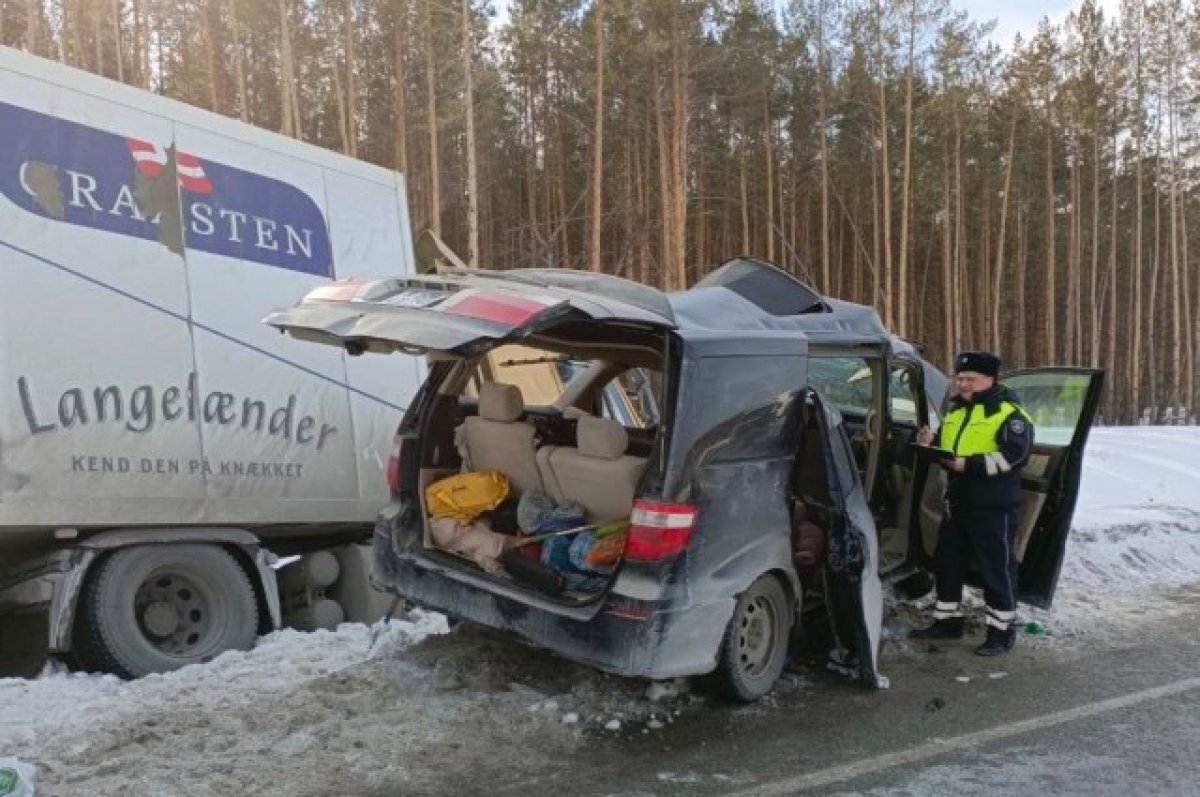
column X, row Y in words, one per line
column 463, row 312
column 462, row 316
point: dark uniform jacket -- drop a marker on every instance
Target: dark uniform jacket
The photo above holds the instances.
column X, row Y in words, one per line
column 990, row 479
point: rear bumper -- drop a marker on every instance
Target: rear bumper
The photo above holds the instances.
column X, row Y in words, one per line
column 624, row 635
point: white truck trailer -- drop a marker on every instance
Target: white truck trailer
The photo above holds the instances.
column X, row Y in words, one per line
column 159, row 446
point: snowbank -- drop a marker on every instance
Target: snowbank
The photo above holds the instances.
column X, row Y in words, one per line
column 318, row 711
column 1135, row 538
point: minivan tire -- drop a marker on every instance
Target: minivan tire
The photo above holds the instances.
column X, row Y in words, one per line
column 754, row 648
column 155, row 608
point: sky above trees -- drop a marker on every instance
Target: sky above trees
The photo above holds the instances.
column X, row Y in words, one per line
column 1022, row 16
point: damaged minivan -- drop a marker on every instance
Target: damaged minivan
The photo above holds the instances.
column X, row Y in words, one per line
column 749, row 438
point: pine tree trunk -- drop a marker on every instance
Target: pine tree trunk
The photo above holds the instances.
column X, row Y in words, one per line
column 767, row 145
column 142, row 34
column 1113, row 289
column 664, row 184
column 821, row 115
column 400, row 34
column 468, row 48
column 340, row 100
column 902, row 300
column 997, row 286
column 1049, row 327
column 1152, row 314
column 435, row 189
column 32, row 15
column 1022, row 353
column 1135, row 354
column 1074, row 327
column 960, row 304
column 559, row 184
column 239, row 68
column 119, row 55
column 287, row 123
column 877, row 238
column 885, row 169
column 679, row 139
column 536, row 243
column 1178, row 291
column 744, row 193
column 216, row 57
column 597, row 214
column 73, row 22
column 641, row 159
column 351, row 83
column 948, row 305
column 1192, row 325
column 96, row 17
column 1094, row 303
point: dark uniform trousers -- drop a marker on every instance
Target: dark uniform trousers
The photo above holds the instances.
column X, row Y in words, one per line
column 986, row 536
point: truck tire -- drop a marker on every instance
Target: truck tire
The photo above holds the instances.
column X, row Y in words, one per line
column 754, row 649
column 154, row 608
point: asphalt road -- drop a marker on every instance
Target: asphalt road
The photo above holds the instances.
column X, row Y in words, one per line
column 1116, row 717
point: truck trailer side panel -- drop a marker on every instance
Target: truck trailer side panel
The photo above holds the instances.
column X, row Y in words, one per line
column 141, row 243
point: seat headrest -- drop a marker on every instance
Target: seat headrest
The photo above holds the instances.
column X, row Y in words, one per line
column 500, row 402
column 602, row 438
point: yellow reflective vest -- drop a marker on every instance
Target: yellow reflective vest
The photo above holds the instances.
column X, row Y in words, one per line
column 970, row 430
column 993, row 474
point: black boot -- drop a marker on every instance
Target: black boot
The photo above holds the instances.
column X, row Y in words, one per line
column 945, row 628
column 997, row 642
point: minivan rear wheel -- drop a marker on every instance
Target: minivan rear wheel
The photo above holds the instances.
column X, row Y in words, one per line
column 754, row 649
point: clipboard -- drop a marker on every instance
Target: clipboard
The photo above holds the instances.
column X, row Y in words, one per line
column 934, row 453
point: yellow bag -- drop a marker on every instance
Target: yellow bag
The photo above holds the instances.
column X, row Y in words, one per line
column 465, row 496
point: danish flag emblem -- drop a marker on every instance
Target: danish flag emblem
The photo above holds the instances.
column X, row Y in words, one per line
column 151, row 158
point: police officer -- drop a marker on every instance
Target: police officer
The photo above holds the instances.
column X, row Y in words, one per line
column 990, row 435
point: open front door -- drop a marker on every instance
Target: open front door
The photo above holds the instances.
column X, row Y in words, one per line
column 909, row 409
column 1062, row 403
column 853, row 594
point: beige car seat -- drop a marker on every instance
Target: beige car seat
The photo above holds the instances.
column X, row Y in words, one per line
column 597, row 473
column 496, row 439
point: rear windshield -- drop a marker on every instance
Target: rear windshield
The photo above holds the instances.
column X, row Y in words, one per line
column 552, row 380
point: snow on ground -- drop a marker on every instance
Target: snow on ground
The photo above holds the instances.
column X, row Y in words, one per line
column 315, row 711
column 303, row 713
column 1136, row 533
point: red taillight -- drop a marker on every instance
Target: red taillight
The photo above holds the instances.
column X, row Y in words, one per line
column 393, row 466
column 658, row 532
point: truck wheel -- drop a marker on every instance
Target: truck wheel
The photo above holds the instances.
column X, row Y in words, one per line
column 755, row 645
column 155, row 608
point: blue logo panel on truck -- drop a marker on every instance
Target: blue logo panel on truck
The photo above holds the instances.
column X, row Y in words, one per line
column 92, row 178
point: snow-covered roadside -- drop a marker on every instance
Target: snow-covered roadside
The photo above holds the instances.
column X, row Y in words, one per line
column 1135, row 538
column 305, row 714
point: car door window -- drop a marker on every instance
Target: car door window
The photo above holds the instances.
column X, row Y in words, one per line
column 1054, row 402
column 537, row 373
column 630, row 400
column 1062, row 403
column 847, row 383
column 853, row 385
column 902, row 397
